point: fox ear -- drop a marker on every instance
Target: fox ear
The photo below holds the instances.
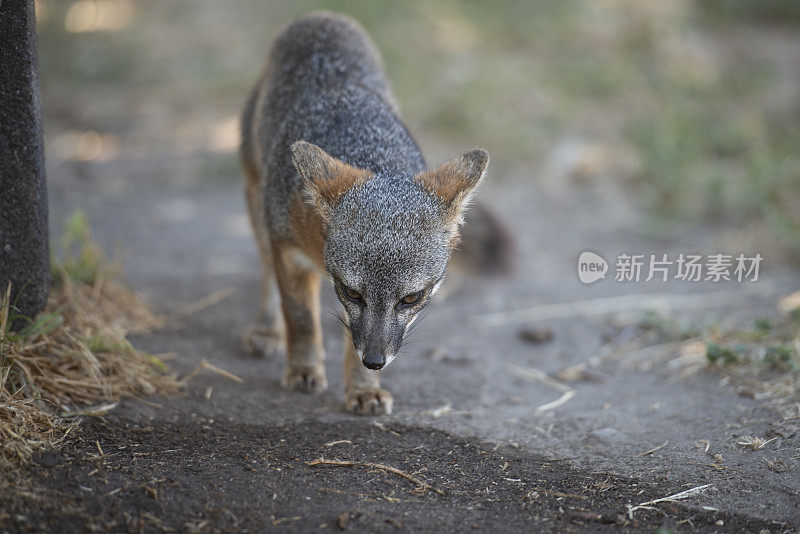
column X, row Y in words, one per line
column 325, row 178
column 454, row 182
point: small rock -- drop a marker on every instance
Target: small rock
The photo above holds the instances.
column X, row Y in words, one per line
column 439, row 354
column 436, row 353
column 536, row 334
column 579, row 373
column 48, row 459
column 344, row 519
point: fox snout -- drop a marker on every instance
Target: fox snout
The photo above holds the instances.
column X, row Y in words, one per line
column 379, row 350
column 376, row 339
column 374, row 360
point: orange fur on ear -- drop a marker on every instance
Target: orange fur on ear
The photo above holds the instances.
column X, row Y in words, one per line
column 454, row 182
column 325, row 177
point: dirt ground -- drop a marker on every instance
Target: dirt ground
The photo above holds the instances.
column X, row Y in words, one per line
column 123, row 475
column 643, row 421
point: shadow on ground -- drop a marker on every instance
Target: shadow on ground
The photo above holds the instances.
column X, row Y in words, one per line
column 226, row 477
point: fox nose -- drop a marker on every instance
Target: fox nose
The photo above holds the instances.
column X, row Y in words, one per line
column 374, row 361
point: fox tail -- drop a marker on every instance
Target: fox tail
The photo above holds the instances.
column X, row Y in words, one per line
column 486, row 247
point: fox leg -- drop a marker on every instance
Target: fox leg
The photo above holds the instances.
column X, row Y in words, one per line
column 267, row 335
column 362, row 386
column 299, row 284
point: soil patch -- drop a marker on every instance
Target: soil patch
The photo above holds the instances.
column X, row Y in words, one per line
column 123, row 475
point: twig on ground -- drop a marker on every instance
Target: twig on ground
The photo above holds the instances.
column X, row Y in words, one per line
column 718, row 467
column 651, row 451
column 535, row 375
column 286, row 520
column 555, row 493
column 447, row 409
column 648, row 505
column 152, row 404
column 442, row 410
column 383, row 427
column 211, row 367
column 370, row 465
column 563, row 399
column 92, row 411
column 205, row 302
column 753, row 442
column 339, row 442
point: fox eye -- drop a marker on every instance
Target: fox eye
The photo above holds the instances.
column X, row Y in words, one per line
column 352, row 294
column 411, row 299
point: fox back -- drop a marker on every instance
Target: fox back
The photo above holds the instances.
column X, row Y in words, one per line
column 326, row 86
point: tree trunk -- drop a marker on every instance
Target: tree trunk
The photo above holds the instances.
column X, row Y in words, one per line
column 24, row 254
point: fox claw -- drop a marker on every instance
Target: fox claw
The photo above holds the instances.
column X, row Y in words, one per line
column 259, row 340
column 369, row 402
column 309, row 380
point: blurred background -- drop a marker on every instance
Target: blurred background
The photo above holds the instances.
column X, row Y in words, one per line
column 690, row 109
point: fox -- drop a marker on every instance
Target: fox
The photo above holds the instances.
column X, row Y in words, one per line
column 337, row 187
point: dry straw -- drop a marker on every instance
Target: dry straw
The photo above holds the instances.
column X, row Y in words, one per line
column 75, row 354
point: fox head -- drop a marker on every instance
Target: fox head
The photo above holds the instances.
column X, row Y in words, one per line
column 387, row 239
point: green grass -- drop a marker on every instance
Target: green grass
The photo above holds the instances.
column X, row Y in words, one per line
column 79, row 258
column 668, row 328
column 770, row 344
column 44, row 324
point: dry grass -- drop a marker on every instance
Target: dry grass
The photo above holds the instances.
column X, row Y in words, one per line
column 648, row 505
column 75, row 354
column 753, row 443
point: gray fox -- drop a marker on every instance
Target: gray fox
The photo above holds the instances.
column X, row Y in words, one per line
column 336, row 184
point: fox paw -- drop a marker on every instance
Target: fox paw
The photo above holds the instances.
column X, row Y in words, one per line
column 260, row 340
column 307, row 379
column 369, row 402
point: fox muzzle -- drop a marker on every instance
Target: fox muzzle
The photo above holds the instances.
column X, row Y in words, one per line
column 374, row 361
column 377, row 336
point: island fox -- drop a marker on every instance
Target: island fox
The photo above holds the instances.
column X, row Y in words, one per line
column 336, row 184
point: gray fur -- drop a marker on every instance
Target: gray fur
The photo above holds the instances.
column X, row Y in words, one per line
column 387, row 237
column 382, row 248
column 326, row 86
